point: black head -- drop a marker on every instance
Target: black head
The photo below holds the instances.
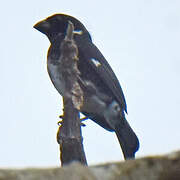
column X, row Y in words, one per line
column 57, row 23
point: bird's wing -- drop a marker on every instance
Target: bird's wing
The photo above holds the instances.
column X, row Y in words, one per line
column 104, row 70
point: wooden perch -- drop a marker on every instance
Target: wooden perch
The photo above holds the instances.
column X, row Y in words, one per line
column 69, row 134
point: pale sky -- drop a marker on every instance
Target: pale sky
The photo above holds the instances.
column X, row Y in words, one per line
column 140, row 40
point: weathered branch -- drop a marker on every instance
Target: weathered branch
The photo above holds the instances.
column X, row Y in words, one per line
column 147, row 168
column 69, row 135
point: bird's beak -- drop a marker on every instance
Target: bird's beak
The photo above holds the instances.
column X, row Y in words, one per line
column 42, row 26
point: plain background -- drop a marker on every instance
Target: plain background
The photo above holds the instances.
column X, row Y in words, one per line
column 141, row 41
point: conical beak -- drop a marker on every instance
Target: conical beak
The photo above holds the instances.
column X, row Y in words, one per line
column 42, row 26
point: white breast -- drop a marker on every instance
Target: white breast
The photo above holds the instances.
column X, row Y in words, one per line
column 56, row 78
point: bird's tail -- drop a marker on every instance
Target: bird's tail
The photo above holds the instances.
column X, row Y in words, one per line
column 127, row 139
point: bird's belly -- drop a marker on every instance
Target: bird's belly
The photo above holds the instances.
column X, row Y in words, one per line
column 56, row 78
column 93, row 104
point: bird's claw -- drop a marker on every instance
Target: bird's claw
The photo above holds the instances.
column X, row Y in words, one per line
column 84, row 118
column 59, row 123
column 61, row 116
column 82, row 124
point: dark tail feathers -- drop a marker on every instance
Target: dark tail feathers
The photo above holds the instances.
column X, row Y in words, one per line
column 127, row 139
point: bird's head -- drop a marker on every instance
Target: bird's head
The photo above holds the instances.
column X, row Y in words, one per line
column 57, row 24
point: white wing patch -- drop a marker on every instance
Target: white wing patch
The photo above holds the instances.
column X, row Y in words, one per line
column 79, row 32
column 96, row 62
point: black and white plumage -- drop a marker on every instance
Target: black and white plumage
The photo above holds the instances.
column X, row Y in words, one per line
column 104, row 101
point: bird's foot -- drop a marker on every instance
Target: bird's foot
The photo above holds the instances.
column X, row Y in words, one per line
column 61, row 116
column 82, row 124
column 84, row 118
column 59, row 123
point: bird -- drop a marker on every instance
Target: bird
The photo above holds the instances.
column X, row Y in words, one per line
column 104, row 101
